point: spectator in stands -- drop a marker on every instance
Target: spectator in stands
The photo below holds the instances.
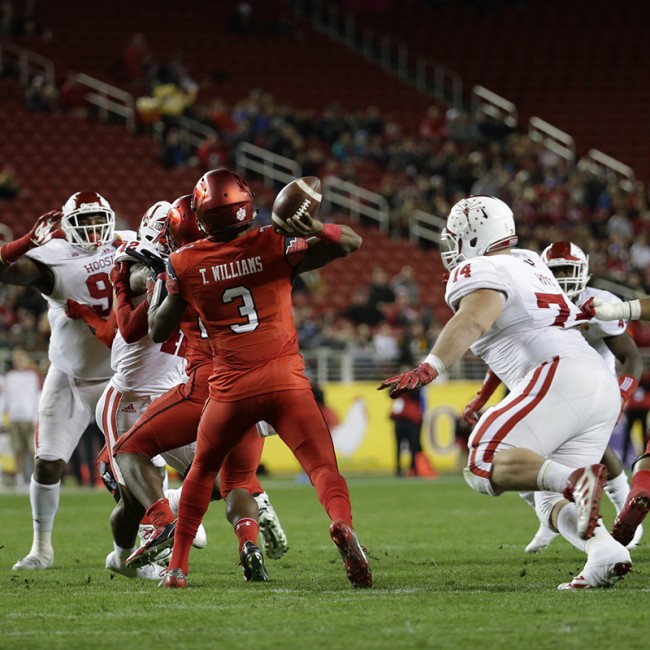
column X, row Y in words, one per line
column 22, row 389
column 212, row 153
column 137, row 58
column 381, row 294
column 241, row 18
column 41, row 95
column 174, row 153
column 405, row 279
column 7, row 18
column 360, row 311
column 432, row 126
column 9, row 185
column 72, row 97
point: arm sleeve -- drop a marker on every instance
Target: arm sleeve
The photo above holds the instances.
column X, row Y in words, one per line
column 103, row 329
column 132, row 323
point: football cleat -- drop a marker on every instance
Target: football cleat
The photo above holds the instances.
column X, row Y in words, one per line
column 115, row 563
column 160, row 539
column 34, row 562
column 543, row 538
column 273, row 537
column 585, row 487
column 252, row 562
column 174, row 579
column 629, row 519
column 606, row 578
column 356, row 563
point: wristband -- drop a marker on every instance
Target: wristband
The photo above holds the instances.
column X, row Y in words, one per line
column 635, row 309
column 14, row 250
column 436, row 363
column 331, row 233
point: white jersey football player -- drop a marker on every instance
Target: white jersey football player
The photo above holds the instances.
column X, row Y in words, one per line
column 143, row 370
column 67, row 254
column 570, row 265
column 549, row 434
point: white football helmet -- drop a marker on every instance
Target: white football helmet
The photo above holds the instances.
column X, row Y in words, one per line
column 153, row 227
column 476, row 226
column 88, row 220
column 569, row 265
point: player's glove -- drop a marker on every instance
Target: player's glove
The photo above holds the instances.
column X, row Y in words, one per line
column 410, row 380
column 149, row 259
column 46, row 227
column 471, row 412
column 119, row 277
column 76, row 310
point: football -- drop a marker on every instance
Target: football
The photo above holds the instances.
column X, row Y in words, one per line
column 294, row 200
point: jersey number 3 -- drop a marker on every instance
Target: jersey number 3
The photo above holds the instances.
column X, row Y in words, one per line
column 246, row 308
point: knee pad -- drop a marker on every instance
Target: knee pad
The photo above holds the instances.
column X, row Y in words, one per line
column 478, row 483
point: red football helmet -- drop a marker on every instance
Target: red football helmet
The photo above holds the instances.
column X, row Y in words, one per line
column 88, row 220
column 222, row 200
column 182, row 227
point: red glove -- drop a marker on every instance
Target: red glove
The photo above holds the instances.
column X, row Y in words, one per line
column 400, row 384
column 490, row 384
column 588, row 310
column 47, row 226
column 75, row 310
column 627, row 385
column 119, row 276
column 103, row 329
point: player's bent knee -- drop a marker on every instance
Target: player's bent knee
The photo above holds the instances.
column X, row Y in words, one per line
column 478, row 483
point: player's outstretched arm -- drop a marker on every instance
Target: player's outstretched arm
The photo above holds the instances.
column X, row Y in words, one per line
column 326, row 242
column 476, row 314
column 20, row 270
column 628, row 310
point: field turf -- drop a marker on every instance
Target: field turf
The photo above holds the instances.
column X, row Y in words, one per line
column 448, row 564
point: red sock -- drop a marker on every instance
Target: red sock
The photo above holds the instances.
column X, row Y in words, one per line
column 159, row 513
column 333, row 493
column 640, row 482
column 246, row 530
column 195, row 500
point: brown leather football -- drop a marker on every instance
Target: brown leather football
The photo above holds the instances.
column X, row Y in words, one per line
column 295, row 199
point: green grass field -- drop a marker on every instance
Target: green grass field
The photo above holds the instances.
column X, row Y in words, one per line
column 449, row 572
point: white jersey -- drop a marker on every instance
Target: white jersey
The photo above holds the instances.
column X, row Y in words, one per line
column 538, row 321
column 596, row 331
column 81, row 276
column 145, row 367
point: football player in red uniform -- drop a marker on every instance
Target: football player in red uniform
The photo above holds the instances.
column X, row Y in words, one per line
column 170, row 423
column 239, row 280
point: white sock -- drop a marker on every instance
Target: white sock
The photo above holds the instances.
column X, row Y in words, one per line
column 567, row 524
column 617, row 490
column 174, row 498
column 123, row 552
column 553, row 476
column 45, row 502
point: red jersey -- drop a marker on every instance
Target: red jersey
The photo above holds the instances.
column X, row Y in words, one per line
column 242, row 292
column 198, row 350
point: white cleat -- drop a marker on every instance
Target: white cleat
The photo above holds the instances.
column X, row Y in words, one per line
column 34, row 563
column 273, row 538
column 174, row 498
column 117, row 564
column 543, row 538
column 607, row 563
column 584, row 487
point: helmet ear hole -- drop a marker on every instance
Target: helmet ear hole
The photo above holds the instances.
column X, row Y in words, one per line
column 473, row 242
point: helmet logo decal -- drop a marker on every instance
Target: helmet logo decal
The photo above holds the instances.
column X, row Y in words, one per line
column 241, row 214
